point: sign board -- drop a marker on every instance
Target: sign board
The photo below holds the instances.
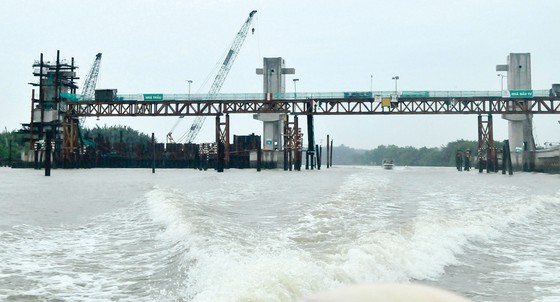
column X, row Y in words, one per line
column 518, row 149
column 378, row 98
column 386, row 102
column 358, row 95
column 153, row 97
column 268, row 142
column 518, row 94
column 415, row 94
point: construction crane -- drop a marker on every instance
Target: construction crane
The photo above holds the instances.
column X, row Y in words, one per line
column 88, row 89
column 218, row 81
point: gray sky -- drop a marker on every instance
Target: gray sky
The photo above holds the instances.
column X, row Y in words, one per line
column 154, row 46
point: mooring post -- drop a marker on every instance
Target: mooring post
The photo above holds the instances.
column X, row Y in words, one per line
column 285, row 159
column 504, row 158
column 290, row 160
column 220, row 161
column 48, row 149
column 319, row 155
column 310, row 153
column 259, row 157
column 510, row 166
column 226, row 143
column 153, row 153
column 286, row 141
column 330, row 156
column 219, row 164
column 328, row 150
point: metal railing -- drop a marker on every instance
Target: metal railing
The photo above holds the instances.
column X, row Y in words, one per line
column 314, row 95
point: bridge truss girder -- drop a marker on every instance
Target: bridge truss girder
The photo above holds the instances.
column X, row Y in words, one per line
column 487, row 153
column 292, row 143
column 222, row 139
column 467, row 105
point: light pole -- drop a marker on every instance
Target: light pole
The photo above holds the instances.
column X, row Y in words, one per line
column 371, row 85
column 502, row 76
column 396, row 78
column 189, row 81
column 295, row 88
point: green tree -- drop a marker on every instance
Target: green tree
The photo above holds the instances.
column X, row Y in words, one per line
column 10, row 141
column 443, row 156
column 117, row 134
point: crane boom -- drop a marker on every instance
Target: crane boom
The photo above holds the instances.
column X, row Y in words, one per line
column 88, row 90
column 221, row 76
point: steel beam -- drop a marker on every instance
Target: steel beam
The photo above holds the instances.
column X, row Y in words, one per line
column 407, row 106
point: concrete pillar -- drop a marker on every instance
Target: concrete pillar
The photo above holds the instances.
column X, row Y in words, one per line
column 274, row 83
column 518, row 70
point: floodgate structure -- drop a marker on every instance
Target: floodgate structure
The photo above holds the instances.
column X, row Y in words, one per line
column 54, row 131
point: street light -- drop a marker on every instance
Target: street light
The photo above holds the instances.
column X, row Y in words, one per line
column 295, row 88
column 371, row 85
column 502, row 76
column 396, row 78
column 189, row 81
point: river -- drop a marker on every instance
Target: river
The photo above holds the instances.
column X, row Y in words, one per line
column 242, row 235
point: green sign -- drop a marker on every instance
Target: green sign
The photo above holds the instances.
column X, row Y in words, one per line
column 415, row 94
column 268, row 142
column 519, row 94
column 153, row 97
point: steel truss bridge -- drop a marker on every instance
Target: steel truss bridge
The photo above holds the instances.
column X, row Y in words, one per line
column 349, row 104
column 327, row 106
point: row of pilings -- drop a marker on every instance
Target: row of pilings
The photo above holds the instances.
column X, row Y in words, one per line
column 244, row 153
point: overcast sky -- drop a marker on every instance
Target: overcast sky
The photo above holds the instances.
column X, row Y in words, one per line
column 154, row 46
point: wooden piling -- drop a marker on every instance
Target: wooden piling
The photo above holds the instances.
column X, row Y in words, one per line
column 220, row 163
column 259, row 157
column 328, row 151
column 510, row 166
column 48, row 149
column 319, row 155
column 330, row 156
column 504, row 159
column 153, row 153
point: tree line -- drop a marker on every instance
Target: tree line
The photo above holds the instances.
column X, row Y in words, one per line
column 443, row 156
column 11, row 144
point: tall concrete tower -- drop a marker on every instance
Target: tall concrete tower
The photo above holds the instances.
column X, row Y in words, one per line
column 518, row 70
column 274, row 82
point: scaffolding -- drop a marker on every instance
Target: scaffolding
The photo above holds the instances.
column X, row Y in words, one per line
column 49, row 122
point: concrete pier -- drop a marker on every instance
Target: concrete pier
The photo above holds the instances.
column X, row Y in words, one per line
column 520, row 132
column 274, row 82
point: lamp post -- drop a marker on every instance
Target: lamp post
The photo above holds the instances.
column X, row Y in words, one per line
column 396, row 78
column 295, row 88
column 190, row 82
column 502, row 76
column 371, row 85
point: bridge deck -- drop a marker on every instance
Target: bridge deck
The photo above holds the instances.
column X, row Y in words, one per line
column 315, row 95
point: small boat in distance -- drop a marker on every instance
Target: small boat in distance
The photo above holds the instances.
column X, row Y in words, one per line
column 388, row 164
